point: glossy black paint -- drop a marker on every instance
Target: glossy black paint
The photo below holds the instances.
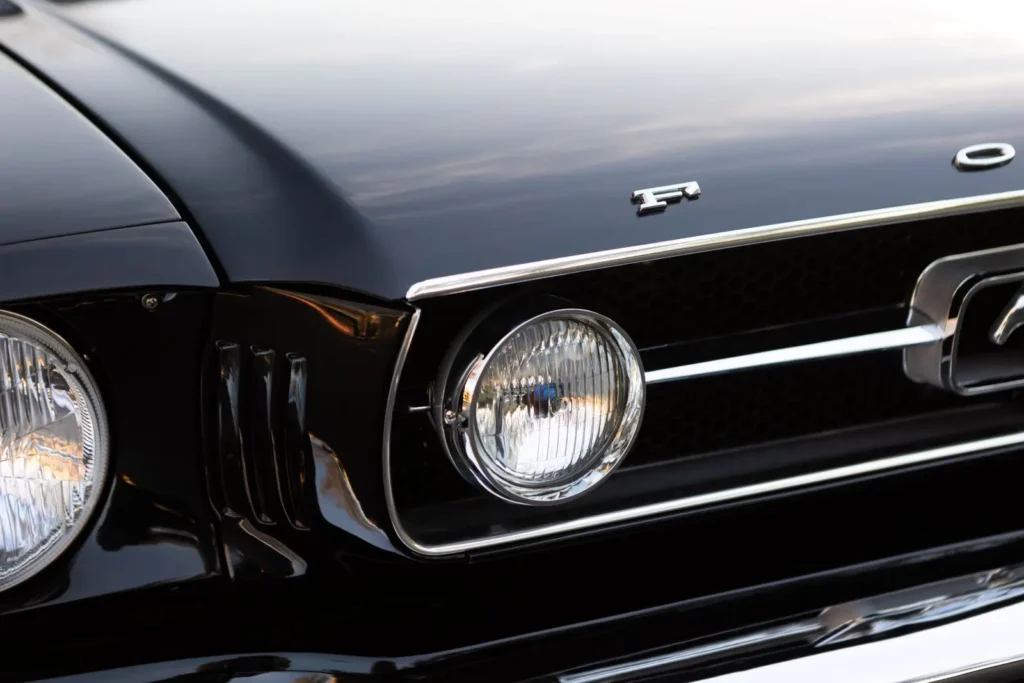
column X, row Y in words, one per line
column 536, row 654
column 154, row 527
column 276, row 667
column 374, row 613
column 157, row 255
column 272, row 349
column 59, row 175
column 374, row 146
column 434, row 142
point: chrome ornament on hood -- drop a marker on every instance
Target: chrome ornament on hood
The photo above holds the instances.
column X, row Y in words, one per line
column 984, row 156
column 655, row 199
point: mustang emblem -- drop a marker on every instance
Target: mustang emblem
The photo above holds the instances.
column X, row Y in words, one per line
column 655, row 199
column 1009, row 320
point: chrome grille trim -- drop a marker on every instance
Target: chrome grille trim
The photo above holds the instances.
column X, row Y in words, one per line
column 903, row 338
column 389, row 412
column 670, row 506
column 916, row 336
column 481, row 279
column 799, row 632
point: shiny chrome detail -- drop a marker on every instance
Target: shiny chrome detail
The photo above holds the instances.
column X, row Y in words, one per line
column 465, row 282
column 336, row 499
column 54, row 448
column 150, row 302
column 984, row 156
column 865, row 343
column 887, row 615
column 655, row 199
column 466, row 447
column 943, row 292
column 966, row 646
column 915, row 607
column 634, row 254
column 1008, row 321
column 750, row 642
column 699, row 501
column 389, row 411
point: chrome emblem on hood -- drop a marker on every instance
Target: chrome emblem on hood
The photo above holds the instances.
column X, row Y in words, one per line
column 984, row 156
column 655, row 199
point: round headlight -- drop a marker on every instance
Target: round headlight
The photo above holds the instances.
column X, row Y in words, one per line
column 53, row 447
column 551, row 410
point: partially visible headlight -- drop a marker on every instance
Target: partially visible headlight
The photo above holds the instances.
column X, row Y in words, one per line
column 550, row 411
column 53, row 447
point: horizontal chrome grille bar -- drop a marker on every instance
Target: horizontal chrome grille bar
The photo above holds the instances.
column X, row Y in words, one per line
column 879, row 341
column 718, row 497
column 481, row 279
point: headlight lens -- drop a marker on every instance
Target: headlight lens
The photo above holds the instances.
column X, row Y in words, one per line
column 53, row 447
column 553, row 408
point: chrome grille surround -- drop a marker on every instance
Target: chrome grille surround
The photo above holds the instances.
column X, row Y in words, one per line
column 922, row 335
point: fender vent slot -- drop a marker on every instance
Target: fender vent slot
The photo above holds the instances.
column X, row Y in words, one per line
column 262, row 447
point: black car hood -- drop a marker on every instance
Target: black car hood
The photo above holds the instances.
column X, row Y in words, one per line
column 470, row 135
column 59, row 175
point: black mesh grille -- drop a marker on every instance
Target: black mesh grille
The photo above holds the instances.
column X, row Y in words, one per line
column 699, row 416
column 736, row 290
column 714, row 413
column 779, row 283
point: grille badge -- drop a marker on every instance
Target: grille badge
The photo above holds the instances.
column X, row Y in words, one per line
column 977, row 354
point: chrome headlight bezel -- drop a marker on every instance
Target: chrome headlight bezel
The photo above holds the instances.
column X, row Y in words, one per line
column 94, row 433
column 456, row 415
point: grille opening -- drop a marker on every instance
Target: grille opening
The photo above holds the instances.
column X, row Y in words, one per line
column 777, row 337
column 703, row 434
column 721, row 471
column 713, row 413
column 719, row 294
column 701, row 417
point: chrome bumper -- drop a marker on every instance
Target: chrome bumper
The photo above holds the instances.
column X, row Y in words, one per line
column 968, row 629
column 971, row 649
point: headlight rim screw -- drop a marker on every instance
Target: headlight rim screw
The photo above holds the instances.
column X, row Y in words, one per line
column 150, row 301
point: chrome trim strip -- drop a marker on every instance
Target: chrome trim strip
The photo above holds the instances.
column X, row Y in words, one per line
column 942, row 653
column 867, row 619
column 464, row 443
column 389, row 411
column 465, row 282
column 943, row 291
column 702, row 500
column 902, row 338
column 778, row 636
